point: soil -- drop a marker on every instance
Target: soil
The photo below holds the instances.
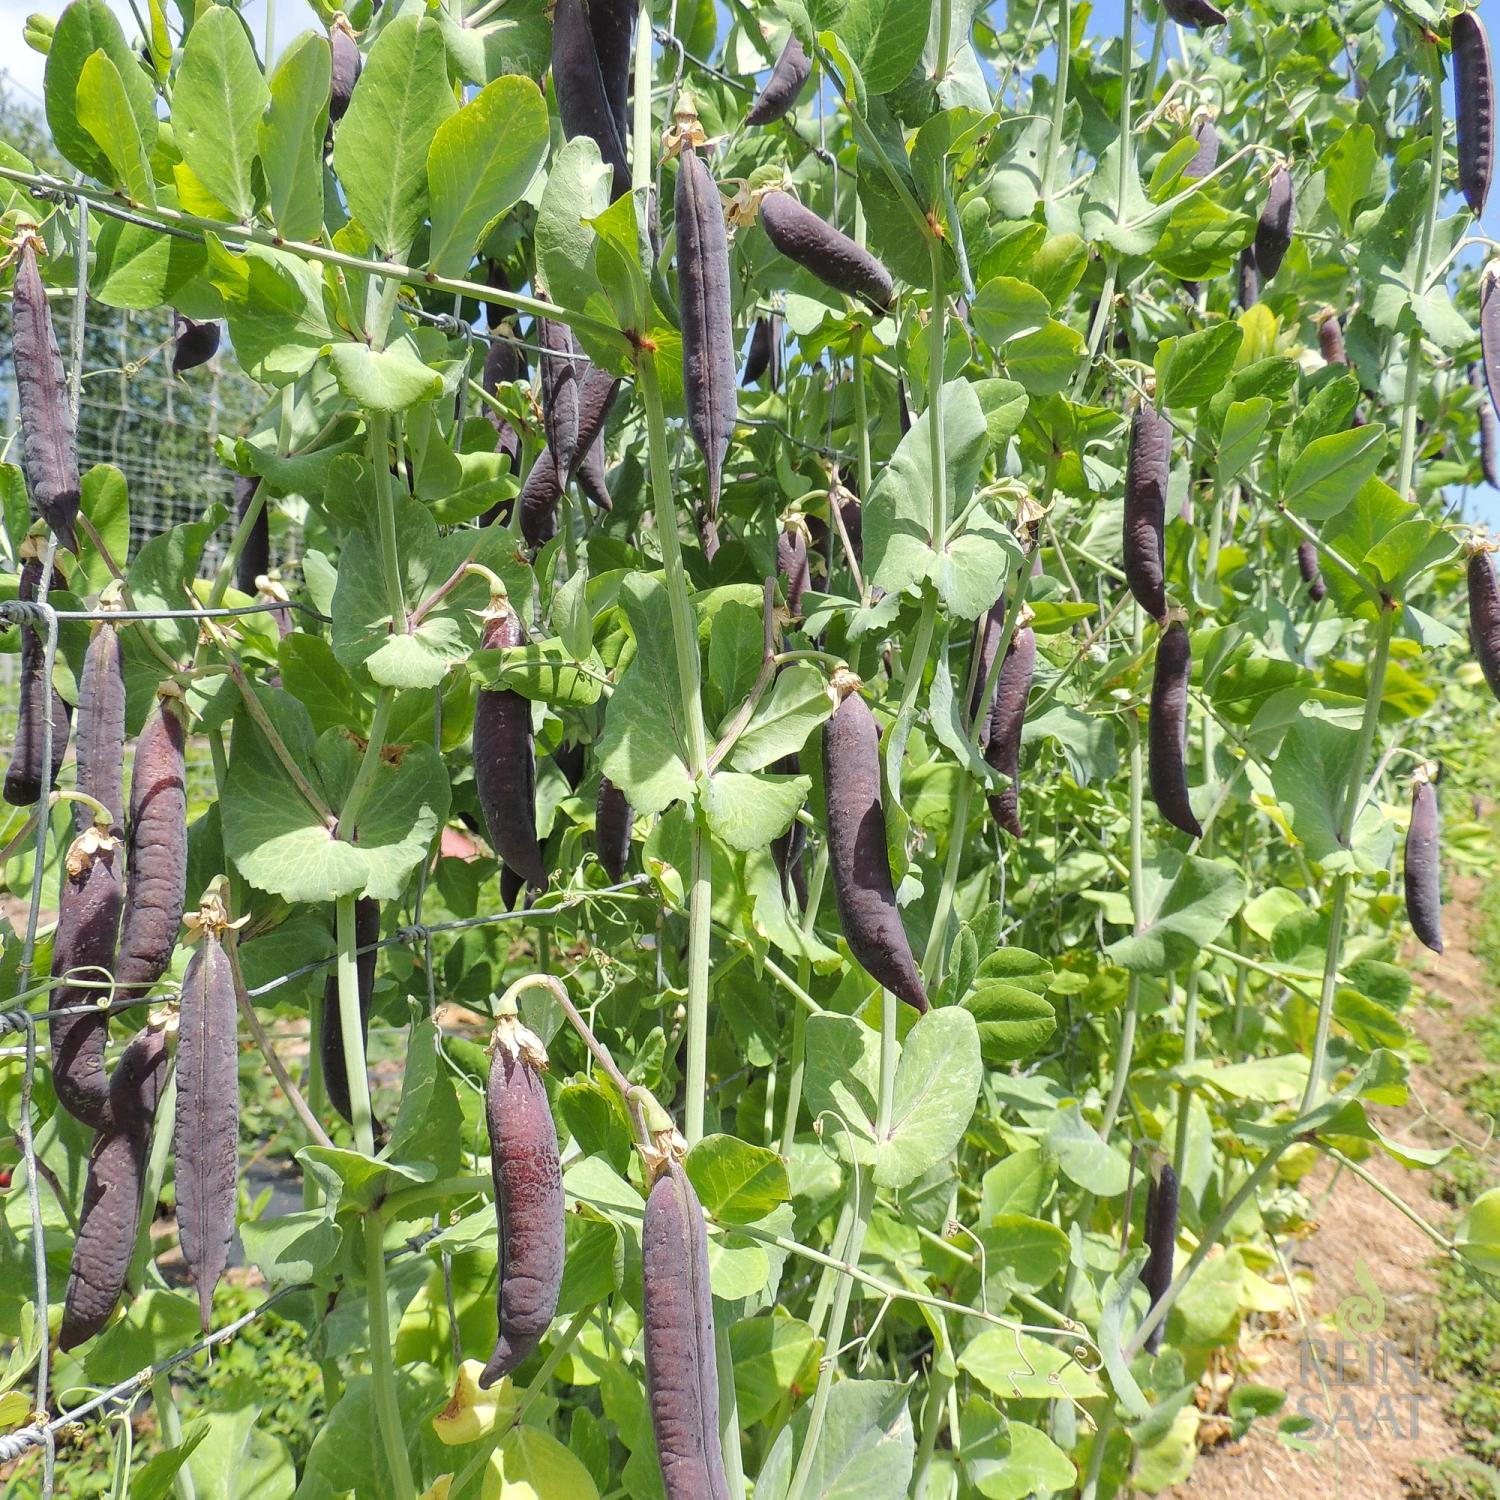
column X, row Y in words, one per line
column 1380, row 1412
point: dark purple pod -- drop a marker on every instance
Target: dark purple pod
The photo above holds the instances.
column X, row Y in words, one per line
column 1273, row 231
column 1489, row 328
column 1474, row 95
column 511, row 886
column 851, row 513
column 111, row 1211
column 157, row 861
column 504, row 759
column 613, row 820
column 857, row 856
column 792, row 564
column 47, row 433
column 1199, row 14
column 1489, row 431
column 596, row 398
column 786, row 851
column 801, row 236
column 764, row 355
column 101, row 727
column 254, row 560
column 1249, row 278
column 1312, row 574
column 24, row 776
column 592, row 479
column 1147, row 470
column 784, row 87
column 1422, row 865
column 539, row 499
column 570, row 759
column 708, row 376
column 331, row 1033
column 1007, row 719
column 502, row 364
column 205, row 1133
column 529, row 1204
column 612, row 23
column 1161, row 1241
column 560, row 380
column 1484, row 615
column 347, row 64
column 987, row 635
column 1207, row 157
column 1331, row 338
column 682, row 1377
column 1166, row 730
column 195, row 344
column 83, row 947
column 583, row 96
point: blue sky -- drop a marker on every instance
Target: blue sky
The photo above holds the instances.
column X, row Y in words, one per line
column 23, row 70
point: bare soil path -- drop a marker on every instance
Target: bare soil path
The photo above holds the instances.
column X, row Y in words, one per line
column 1369, row 1295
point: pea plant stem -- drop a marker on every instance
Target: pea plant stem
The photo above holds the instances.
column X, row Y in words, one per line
column 1333, row 954
column 155, row 1176
column 382, row 1366
column 936, row 438
column 1062, row 52
column 685, row 644
column 1189, row 1057
column 171, row 1431
column 348, row 1021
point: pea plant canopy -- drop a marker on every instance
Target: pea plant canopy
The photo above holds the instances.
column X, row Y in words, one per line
column 867, row 590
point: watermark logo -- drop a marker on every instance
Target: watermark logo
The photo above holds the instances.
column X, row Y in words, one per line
column 1362, row 1383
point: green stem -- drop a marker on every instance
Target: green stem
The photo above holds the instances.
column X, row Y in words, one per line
column 353, row 1034
column 171, row 1433
column 799, row 1016
column 936, row 438
column 1189, row 1057
column 640, row 149
column 390, row 556
column 1062, row 39
column 369, row 763
column 861, row 409
column 156, row 1174
column 1333, row 954
column 945, row 39
column 382, row 1367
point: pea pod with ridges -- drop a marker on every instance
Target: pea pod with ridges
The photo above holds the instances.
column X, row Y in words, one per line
column 611, row 23
column 1248, row 286
column 1207, row 156
column 331, row 1033
column 792, row 562
column 708, row 374
column 1312, row 574
column 1484, row 612
column 583, row 94
column 101, row 727
column 682, row 1379
column 613, row 818
column 1161, row 1240
column 1007, row 719
column 112, row 1208
column 1331, row 338
column 813, row 243
column 47, row 431
column 35, row 694
column 1147, row 471
column 504, row 758
column 593, row 480
column 529, row 1205
column 1422, row 861
column 1489, row 328
column 83, row 955
column 158, row 850
column 255, row 556
column 205, row 1132
column 1167, row 729
column 784, row 87
column 560, row 383
column 347, row 66
column 1474, row 95
column 857, row 856
column 1273, row 230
